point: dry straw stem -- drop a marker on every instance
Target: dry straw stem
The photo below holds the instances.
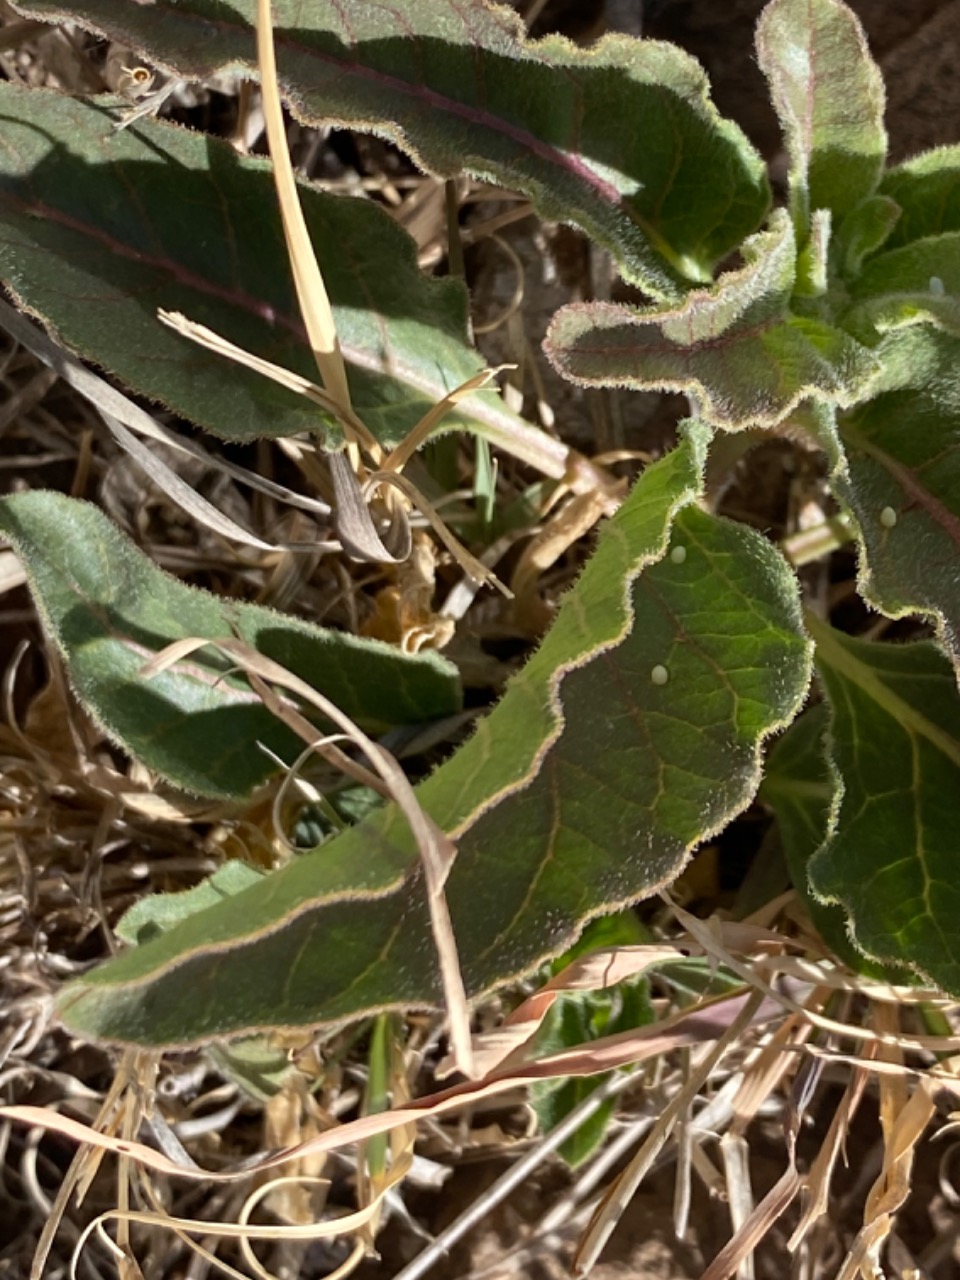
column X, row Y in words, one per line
column 311, row 291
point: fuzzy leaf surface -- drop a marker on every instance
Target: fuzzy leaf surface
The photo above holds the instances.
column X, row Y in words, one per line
column 890, row 859
column 585, row 789
column 802, row 789
column 927, row 189
column 916, row 282
column 98, row 229
column 620, row 139
column 829, row 96
column 903, row 454
column 736, row 348
column 109, row 609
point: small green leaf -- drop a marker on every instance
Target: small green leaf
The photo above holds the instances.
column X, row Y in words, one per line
column 927, row 189
column 891, row 857
column 864, row 231
column 829, row 96
column 100, row 229
column 802, row 790
column 158, row 912
column 735, row 348
column 109, row 610
column 903, row 479
column 579, row 1016
column 619, row 139
column 915, row 283
column 585, row 789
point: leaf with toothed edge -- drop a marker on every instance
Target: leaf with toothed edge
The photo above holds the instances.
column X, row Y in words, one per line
column 620, row 139
column 632, row 734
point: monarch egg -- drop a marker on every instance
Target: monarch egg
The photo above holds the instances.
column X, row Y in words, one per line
column 936, row 286
column 659, row 675
column 678, row 555
column 888, row 517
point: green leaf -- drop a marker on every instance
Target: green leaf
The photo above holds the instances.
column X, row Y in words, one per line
column 903, row 479
column 632, row 734
column 620, row 139
column 579, row 1016
column 98, row 229
column 863, row 231
column 109, row 609
column 927, row 189
column 575, row 1019
column 915, row 283
column 829, row 96
column 891, row 856
column 803, row 791
column 158, row 912
column 735, row 348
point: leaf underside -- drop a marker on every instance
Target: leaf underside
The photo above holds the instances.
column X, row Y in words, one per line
column 586, row 788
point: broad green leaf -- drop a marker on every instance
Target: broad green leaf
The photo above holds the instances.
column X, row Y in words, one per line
column 109, row 609
column 903, row 479
column 927, row 189
column 620, row 139
column 735, row 348
column 917, row 282
column 802, row 790
column 891, row 855
column 98, row 229
column 829, row 96
column 632, row 734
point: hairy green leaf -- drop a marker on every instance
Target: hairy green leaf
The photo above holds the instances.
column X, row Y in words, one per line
column 631, row 735
column 735, row 348
column 109, row 610
column 927, row 190
column 98, row 229
column 829, row 96
column 917, row 282
column 802, row 789
column 903, row 479
column 620, row 139
column 890, row 858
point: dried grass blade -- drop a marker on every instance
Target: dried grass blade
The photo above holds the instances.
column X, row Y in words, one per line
column 210, row 340
column 821, row 1171
column 176, row 488
column 311, row 291
column 419, row 434
column 777, row 1200
column 354, row 522
column 469, row 563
